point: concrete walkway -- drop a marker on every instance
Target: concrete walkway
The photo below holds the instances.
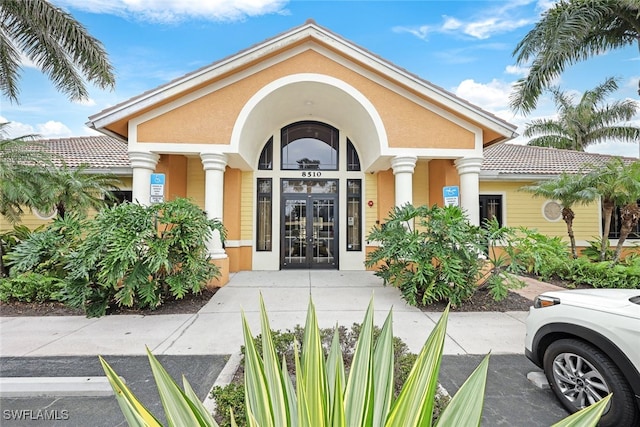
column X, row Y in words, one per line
column 339, row 297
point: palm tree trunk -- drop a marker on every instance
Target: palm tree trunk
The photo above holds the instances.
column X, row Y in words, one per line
column 629, row 216
column 607, row 207
column 568, row 216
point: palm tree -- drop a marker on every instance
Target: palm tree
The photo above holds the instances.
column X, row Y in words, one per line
column 628, row 194
column 612, row 182
column 569, row 190
column 569, row 32
column 77, row 189
column 58, row 44
column 587, row 122
column 23, row 172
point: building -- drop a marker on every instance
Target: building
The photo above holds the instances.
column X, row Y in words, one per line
column 302, row 143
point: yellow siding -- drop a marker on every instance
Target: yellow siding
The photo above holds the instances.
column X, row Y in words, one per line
column 195, row 181
column 421, row 184
column 522, row 209
column 246, row 207
column 371, row 192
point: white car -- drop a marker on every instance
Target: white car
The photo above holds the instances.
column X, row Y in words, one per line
column 588, row 344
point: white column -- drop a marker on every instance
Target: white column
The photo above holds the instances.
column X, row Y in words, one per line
column 403, row 167
column 469, row 171
column 214, row 165
column 143, row 164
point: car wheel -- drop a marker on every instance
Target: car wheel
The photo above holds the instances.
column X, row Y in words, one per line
column 580, row 374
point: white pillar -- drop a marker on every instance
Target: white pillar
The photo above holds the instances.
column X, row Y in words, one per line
column 469, row 171
column 214, row 165
column 403, row 167
column 143, row 164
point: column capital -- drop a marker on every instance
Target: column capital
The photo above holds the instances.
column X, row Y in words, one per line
column 214, row 161
column 469, row 165
column 403, row 164
column 143, row 159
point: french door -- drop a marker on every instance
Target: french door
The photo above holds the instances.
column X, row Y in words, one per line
column 309, row 231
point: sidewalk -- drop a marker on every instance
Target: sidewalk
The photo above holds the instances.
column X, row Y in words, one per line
column 339, row 297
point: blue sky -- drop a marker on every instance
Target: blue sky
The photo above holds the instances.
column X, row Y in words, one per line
column 463, row 46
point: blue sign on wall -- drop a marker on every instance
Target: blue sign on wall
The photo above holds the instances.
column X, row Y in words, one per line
column 451, row 195
column 452, row 191
column 157, row 179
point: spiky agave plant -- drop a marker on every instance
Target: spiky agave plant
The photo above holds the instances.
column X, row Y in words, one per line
column 323, row 394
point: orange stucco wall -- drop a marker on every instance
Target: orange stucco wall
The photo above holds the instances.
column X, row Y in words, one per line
column 231, row 214
column 175, row 168
column 238, row 257
column 210, row 119
column 442, row 172
column 386, row 194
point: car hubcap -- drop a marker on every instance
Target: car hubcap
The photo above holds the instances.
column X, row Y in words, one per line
column 578, row 380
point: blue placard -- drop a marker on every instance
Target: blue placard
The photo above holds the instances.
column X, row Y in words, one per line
column 452, row 191
column 157, row 179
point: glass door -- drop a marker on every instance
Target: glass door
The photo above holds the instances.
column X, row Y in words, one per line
column 309, row 230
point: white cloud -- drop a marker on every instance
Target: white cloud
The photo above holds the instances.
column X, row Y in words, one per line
column 486, row 23
column 483, row 29
column 517, row 70
column 490, row 96
column 50, row 129
column 170, row 11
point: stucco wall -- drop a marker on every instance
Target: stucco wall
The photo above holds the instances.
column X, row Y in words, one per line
column 210, row 119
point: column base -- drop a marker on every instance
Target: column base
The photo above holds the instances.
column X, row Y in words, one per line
column 223, row 278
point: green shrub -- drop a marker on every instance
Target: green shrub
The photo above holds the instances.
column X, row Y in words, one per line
column 436, row 260
column 605, row 274
column 136, row 255
column 46, row 250
column 31, row 287
column 536, row 253
column 231, row 396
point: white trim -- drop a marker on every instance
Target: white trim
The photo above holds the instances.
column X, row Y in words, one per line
column 237, row 243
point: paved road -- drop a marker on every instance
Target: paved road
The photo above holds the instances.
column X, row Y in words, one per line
column 200, row 371
column 510, row 399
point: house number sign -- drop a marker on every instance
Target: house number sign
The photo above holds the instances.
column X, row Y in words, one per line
column 311, row 174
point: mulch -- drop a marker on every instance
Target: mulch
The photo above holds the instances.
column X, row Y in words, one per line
column 480, row 301
column 190, row 304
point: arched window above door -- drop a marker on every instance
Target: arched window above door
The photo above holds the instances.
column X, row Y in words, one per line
column 309, row 145
column 266, row 157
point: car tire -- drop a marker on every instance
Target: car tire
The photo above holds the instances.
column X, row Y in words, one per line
column 580, row 374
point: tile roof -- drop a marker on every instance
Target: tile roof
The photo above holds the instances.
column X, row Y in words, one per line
column 513, row 159
column 99, row 152
column 103, row 152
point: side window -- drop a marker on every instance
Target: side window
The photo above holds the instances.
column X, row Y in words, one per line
column 353, row 161
column 491, row 207
column 616, row 223
column 264, row 224
column 266, row 157
column 354, row 214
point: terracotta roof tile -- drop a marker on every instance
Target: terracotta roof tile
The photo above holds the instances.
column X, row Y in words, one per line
column 516, row 159
column 99, row 152
column 502, row 159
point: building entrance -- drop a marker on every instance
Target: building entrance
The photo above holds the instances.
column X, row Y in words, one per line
column 309, row 231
